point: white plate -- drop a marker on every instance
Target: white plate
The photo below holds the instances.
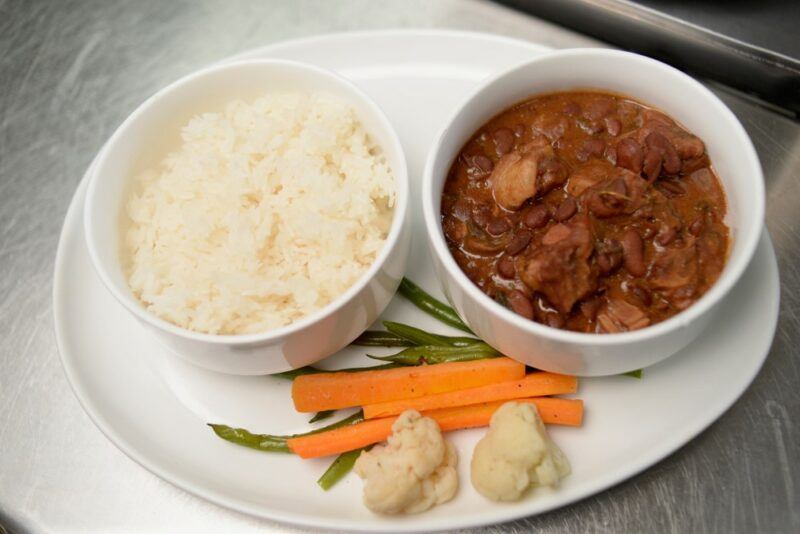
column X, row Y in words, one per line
column 154, row 407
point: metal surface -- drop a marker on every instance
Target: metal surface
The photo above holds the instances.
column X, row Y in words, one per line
column 732, row 50
column 71, row 71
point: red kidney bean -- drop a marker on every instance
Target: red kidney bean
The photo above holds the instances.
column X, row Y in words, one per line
column 554, row 320
column 652, row 164
column 666, row 235
column 520, row 304
column 518, row 242
column 671, row 160
column 506, row 268
column 633, row 253
column 462, row 210
column 503, row 140
column 536, row 217
column 589, row 309
column 498, row 226
column 673, row 186
column 696, row 227
column 609, row 255
column 613, row 126
column 566, row 209
column 481, row 216
column 519, row 130
column 591, row 148
column 648, row 232
column 598, row 108
column 483, row 163
column 608, row 262
column 590, row 126
column 643, row 294
column 630, row 155
column 571, row 109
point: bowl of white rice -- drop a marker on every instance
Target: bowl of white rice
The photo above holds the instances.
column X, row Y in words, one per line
column 252, row 215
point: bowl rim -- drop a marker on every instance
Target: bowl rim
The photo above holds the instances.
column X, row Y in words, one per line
column 399, row 217
column 735, row 266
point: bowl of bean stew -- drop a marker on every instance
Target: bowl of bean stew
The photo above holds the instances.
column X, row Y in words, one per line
column 589, row 210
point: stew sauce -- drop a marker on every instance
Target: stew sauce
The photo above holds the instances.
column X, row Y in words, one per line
column 586, row 211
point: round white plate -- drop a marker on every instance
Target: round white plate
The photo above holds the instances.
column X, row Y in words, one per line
column 154, row 406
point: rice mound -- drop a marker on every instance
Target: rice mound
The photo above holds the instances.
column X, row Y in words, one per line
column 267, row 212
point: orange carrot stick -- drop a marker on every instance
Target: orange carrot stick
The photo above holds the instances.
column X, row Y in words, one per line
column 552, row 410
column 536, row 384
column 331, row 391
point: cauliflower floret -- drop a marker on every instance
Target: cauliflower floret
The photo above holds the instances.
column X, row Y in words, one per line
column 515, row 454
column 414, row 471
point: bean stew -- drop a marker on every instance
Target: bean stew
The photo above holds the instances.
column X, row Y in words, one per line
column 586, row 211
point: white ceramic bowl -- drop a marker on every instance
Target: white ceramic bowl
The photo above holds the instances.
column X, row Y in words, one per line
column 650, row 82
column 140, row 142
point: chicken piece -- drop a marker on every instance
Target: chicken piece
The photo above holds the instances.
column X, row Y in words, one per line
column 620, row 316
column 622, row 192
column 559, row 268
column 674, row 272
column 516, row 176
column 687, row 146
column 589, row 175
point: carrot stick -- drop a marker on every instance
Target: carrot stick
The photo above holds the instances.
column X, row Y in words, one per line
column 552, row 410
column 536, row 384
column 332, row 391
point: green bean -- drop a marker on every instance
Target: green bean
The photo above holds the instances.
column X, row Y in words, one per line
column 430, row 305
column 375, row 338
column 433, row 354
column 421, row 337
column 634, row 374
column 342, row 465
column 300, row 371
column 261, row 442
column 319, row 416
column 308, row 370
column 272, row 443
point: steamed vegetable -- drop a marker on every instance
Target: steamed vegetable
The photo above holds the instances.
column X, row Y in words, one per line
column 431, row 306
column 376, row 338
column 273, row 443
column 533, row 385
column 552, row 410
column 331, row 391
column 418, row 336
column 432, row 354
column 342, row 465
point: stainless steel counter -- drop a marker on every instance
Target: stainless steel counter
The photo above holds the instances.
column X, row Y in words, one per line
column 71, row 71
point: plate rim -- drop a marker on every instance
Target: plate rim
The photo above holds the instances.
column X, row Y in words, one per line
column 446, row 523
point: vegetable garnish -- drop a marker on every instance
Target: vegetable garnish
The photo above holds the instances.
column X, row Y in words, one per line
column 536, row 384
column 273, row 443
column 552, row 410
column 331, row 391
column 342, row 465
column 431, row 354
column 319, row 416
column 432, row 306
column 377, row 338
column 434, row 373
column 420, row 337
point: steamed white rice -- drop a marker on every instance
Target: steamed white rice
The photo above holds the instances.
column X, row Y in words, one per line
column 267, row 212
